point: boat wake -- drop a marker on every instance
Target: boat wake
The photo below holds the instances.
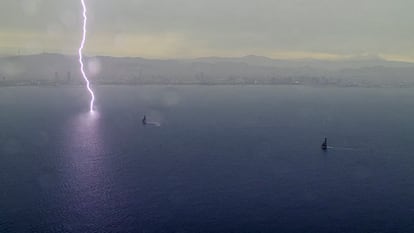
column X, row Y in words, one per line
column 342, row 148
column 153, row 123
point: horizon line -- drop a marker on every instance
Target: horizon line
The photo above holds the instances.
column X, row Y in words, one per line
column 339, row 59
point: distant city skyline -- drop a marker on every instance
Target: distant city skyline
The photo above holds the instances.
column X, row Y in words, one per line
column 284, row 29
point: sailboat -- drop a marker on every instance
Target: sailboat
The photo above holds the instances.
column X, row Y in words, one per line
column 324, row 145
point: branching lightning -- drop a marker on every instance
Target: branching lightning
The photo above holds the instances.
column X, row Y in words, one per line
column 82, row 45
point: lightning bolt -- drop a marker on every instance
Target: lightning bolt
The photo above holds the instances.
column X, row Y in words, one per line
column 82, row 45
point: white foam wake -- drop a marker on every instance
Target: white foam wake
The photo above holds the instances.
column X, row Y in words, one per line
column 342, row 148
column 153, row 123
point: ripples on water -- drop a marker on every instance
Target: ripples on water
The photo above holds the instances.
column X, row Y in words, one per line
column 224, row 159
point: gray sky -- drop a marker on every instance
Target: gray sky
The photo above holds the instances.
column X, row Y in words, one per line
column 194, row 28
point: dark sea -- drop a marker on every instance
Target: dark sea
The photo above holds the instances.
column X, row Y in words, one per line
column 223, row 159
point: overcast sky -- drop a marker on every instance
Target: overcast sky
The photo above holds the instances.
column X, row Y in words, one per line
column 196, row 28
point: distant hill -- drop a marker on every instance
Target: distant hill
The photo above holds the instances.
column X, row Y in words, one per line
column 209, row 70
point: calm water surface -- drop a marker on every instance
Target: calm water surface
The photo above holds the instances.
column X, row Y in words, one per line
column 225, row 159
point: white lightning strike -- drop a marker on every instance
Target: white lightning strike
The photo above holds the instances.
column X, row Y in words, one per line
column 82, row 45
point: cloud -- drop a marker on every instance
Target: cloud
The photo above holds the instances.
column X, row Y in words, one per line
column 164, row 28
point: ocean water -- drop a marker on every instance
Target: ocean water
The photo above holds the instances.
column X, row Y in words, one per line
column 224, row 159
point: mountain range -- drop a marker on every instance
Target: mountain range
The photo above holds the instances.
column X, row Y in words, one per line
column 208, row 70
